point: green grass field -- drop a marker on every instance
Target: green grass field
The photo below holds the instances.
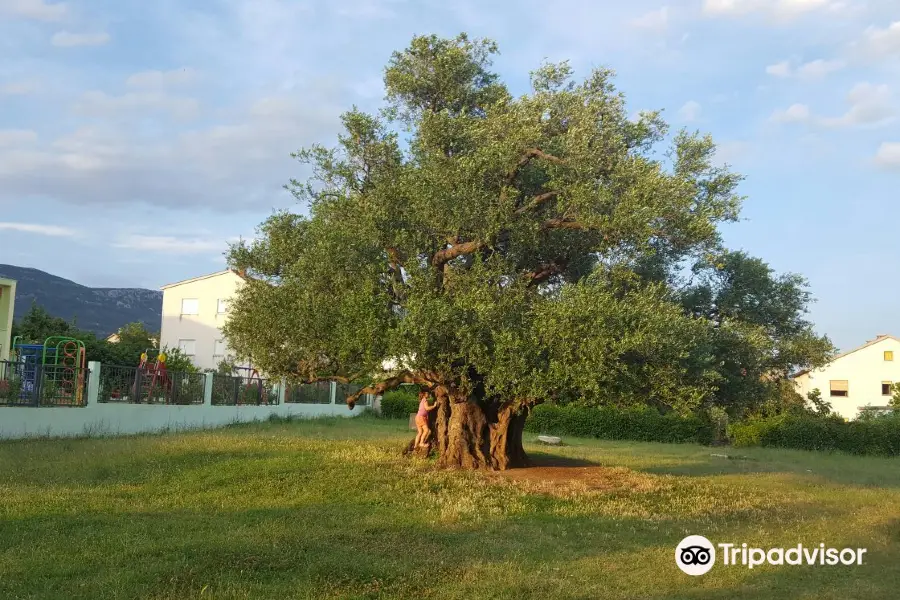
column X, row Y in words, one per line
column 328, row 509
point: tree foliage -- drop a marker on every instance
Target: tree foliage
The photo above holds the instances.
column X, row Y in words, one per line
column 134, row 338
column 508, row 250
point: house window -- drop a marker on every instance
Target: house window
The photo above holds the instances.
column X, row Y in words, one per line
column 886, row 388
column 888, row 355
column 190, row 306
column 222, row 306
column 188, row 347
column 840, row 387
column 219, row 351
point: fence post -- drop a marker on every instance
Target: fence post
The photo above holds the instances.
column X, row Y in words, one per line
column 282, row 391
column 207, row 389
column 38, row 387
column 93, row 388
column 333, row 392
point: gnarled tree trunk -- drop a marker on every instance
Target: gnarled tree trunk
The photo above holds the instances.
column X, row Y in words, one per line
column 506, row 438
column 463, row 435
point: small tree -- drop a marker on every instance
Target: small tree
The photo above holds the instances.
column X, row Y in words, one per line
column 178, row 361
column 895, row 398
column 823, row 407
column 37, row 325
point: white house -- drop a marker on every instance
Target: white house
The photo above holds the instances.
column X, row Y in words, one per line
column 856, row 379
column 193, row 313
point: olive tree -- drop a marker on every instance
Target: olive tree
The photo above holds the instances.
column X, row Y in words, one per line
column 486, row 244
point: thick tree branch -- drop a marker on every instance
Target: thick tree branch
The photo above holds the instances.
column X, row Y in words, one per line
column 526, row 158
column 388, row 384
column 536, row 202
column 345, row 379
column 564, row 224
column 544, row 272
column 441, row 257
column 397, row 286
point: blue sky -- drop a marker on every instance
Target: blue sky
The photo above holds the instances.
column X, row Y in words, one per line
column 137, row 137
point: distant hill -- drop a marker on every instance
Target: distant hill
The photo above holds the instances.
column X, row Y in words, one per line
column 100, row 310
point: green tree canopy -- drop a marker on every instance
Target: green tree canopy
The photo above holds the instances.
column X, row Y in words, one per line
column 506, row 250
column 37, row 325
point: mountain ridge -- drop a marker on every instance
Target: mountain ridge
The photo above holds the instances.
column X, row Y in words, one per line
column 101, row 310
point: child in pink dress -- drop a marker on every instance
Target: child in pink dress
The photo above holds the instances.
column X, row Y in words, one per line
column 422, row 429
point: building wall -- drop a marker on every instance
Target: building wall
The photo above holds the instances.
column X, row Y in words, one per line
column 7, row 303
column 205, row 327
column 864, row 370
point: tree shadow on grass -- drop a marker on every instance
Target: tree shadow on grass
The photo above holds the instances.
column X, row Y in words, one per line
column 837, row 469
column 548, row 459
column 340, row 550
column 703, row 461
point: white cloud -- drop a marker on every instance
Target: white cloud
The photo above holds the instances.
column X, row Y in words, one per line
column 819, row 68
column 171, row 245
column 690, row 111
column 778, row 10
column 162, row 79
column 655, row 20
column 888, row 155
column 780, row 69
column 100, row 104
column 878, row 43
column 869, row 105
column 814, row 69
column 50, row 230
column 33, row 9
column 10, row 137
column 65, row 39
column 793, row 114
column 234, row 166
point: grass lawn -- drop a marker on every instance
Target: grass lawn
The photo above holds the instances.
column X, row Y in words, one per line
column 328, row 509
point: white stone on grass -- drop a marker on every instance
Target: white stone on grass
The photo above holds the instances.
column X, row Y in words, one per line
column 549, row 439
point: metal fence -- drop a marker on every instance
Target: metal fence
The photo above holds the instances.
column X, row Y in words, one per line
column 346, row 389
column 320, row 393
column 309, row 393
column 27, row 384
column 30, row 384
column 236, row 390
column 131, row 385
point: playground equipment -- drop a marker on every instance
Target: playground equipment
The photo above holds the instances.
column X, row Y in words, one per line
column 254, row 391
column 54, row 369
column 152, row 377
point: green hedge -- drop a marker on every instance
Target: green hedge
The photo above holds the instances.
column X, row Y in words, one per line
column 398, row 404
column 639, row 424
column 879, row 436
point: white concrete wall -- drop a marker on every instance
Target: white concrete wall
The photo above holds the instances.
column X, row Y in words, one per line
column 864, row 370
column 96, row 418
column 204, row 328
column 115, row 419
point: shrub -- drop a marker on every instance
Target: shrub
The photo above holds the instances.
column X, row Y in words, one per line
column 10, row 389
column 879, row 436
column 608, row 423
column 398, row 404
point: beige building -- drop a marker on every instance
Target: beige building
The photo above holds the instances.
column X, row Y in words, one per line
column 856, row 379
column 193, row 312
column 7, row 305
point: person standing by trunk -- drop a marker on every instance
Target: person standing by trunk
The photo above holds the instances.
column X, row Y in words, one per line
column 422, row 430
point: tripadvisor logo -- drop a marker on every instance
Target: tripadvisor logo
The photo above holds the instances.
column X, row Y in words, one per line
column 696, row 555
